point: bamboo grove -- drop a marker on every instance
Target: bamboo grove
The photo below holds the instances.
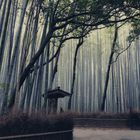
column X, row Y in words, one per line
column 67, row 43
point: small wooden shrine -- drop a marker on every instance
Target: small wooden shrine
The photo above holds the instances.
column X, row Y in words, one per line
column 53, row 96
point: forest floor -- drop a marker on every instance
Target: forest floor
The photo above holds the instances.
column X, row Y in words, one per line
column 105, row 134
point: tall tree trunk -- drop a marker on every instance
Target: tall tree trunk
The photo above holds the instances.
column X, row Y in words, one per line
column 108, row 68
column 5, row 26
column 74, row 71
column 3, row 12
column 1, row 1
column 15, row 56
column 9, row 52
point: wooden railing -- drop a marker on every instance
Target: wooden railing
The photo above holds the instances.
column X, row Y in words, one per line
column 58, row 135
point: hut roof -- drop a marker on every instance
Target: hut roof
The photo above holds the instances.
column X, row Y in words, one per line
column 57, row 93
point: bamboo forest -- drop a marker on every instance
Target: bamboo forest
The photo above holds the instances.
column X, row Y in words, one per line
column 88, row 48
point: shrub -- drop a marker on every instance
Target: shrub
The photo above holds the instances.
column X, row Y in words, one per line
column 100, row 115
column 23, row 124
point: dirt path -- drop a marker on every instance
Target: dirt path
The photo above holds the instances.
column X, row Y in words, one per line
column 100, row 134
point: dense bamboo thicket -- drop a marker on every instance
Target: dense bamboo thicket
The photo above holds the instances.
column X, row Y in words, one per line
column 92, row 63
column 49, row 43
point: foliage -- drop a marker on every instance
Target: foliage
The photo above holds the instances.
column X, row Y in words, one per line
column 104, row 115
column 135, row 31
column 27, row 43
column 18, row 124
